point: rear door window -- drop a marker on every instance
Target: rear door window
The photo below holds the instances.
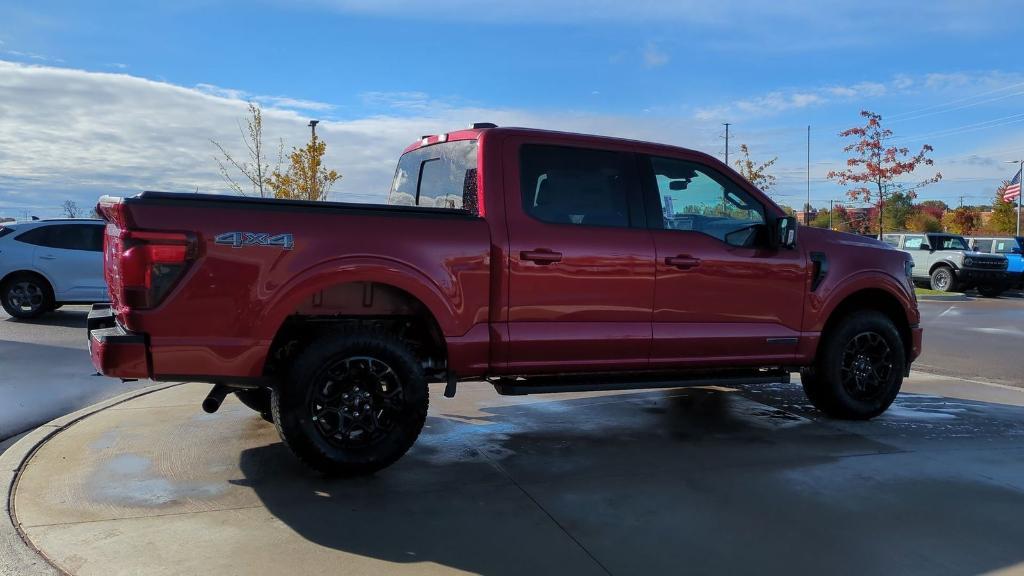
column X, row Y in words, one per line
column 576, row 186
column 983, row 245
column 87, row 237
column 892, row 240
column 1005, row 246
column 913, row 242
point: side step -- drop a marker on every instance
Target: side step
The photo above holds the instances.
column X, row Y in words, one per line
column 593, row 383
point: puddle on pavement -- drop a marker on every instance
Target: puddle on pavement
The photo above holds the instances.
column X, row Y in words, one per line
column 129, row 480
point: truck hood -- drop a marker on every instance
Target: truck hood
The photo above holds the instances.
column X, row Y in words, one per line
column 820, row 236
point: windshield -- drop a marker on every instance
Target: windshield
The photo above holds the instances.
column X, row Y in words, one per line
column 947, row 243
column 437, row 176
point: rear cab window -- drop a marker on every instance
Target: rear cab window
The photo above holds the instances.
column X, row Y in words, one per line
column 437, row 176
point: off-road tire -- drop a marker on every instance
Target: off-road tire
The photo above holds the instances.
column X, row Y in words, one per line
column 943, row 279
column 330, row 361
column 835, row 387
column 38, row 287
column 259, row 400
column 809, row 381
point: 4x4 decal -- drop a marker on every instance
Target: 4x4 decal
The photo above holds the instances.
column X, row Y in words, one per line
column 240, row 239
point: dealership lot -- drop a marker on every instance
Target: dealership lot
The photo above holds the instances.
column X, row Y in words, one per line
column 702, row 480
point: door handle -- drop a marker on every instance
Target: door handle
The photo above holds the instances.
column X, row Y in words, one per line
column 541, row 256
column 47, row 257
column 683, row 262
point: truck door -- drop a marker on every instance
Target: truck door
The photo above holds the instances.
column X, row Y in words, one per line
column 71, row 255
column 581, row 260
column 723, row 295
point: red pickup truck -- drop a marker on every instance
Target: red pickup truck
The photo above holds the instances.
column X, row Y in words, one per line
column 540, row 261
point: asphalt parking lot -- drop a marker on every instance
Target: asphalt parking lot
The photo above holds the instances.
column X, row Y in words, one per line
column 700, row 480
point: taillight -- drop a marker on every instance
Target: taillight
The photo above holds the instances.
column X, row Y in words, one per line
column 150, row 264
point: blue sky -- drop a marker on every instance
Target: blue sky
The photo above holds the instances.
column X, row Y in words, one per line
column 113, row 97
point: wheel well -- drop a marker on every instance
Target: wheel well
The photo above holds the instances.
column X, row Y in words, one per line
column 369, row 305
column 938, row 265
column 880, row 301
column 46, row 283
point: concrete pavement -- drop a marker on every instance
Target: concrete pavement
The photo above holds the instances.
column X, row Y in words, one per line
column 705, row 480
column 982, row 338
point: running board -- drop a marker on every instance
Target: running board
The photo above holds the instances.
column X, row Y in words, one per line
column 594, row 383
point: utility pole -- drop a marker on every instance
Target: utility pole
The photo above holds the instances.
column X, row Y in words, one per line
column 830, row 214
column 1020, row 177
column 726, row 143
column 807, row 206
column 313, row 160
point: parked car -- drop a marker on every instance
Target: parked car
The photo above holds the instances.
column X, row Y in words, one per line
column 1011, row 248
column 541, row 261
column 947, row 263
column 47, row 263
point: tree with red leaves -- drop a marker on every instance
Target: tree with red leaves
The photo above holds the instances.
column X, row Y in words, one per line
column 875, row 167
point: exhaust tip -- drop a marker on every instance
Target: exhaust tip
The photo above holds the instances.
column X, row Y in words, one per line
column 214, row 399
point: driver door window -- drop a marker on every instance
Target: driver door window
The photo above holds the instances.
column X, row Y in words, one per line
column 696, row 198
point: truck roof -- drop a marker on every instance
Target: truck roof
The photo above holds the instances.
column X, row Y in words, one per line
column 478, row 129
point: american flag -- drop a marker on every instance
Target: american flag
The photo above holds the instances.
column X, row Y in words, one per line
column 1012, row 191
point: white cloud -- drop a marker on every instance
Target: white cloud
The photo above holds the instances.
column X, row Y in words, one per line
column 73, row 134
column 654, row 57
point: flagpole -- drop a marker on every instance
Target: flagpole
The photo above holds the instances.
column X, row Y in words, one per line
column 1020, row 196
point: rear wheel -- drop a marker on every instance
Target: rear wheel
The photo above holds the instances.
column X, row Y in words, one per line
column 859, row 369
column 258, row 399
column 943, row 279
column 354, row 403
column 26, row 296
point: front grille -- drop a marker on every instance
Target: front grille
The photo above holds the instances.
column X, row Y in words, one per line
column 989, row 263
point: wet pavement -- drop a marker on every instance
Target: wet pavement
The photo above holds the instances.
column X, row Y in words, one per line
column 697, row 481
column 980, row 338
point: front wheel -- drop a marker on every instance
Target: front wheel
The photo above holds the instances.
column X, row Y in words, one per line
column 859, row 369
column 354, row 402
column 943, row 280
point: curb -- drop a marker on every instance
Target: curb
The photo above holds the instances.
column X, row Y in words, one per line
column 18, row 556
column 950, row 298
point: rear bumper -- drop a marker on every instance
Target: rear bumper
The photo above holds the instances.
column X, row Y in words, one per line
column 114, row 351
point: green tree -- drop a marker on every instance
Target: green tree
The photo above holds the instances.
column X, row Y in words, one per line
column 821, row 219
column 898, row 208
column 757, row 174
column 1004, row 214
column 306, row 177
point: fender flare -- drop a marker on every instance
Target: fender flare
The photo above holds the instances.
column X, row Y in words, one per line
column 944, row 262
column 347, row 269
column 866, row 280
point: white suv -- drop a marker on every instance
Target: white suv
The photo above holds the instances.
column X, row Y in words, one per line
column 47, row 263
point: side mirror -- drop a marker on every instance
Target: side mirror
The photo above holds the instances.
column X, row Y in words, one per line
column 1015, row 250
column 785, row 232
column 925, row 247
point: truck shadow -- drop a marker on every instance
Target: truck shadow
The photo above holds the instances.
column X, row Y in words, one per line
column 63, row 318
column 653, row 482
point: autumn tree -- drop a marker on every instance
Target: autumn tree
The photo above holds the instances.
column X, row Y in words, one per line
column 255, row 168
column 873, row 169
column 306, row 177
column 1004, row 214
column 755, row 173
column 71, row 209
column 822, row 219
column 934, row 208
column 964, row 220
column 921, row 221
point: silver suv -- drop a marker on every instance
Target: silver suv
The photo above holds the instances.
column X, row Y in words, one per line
column 947, row 263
